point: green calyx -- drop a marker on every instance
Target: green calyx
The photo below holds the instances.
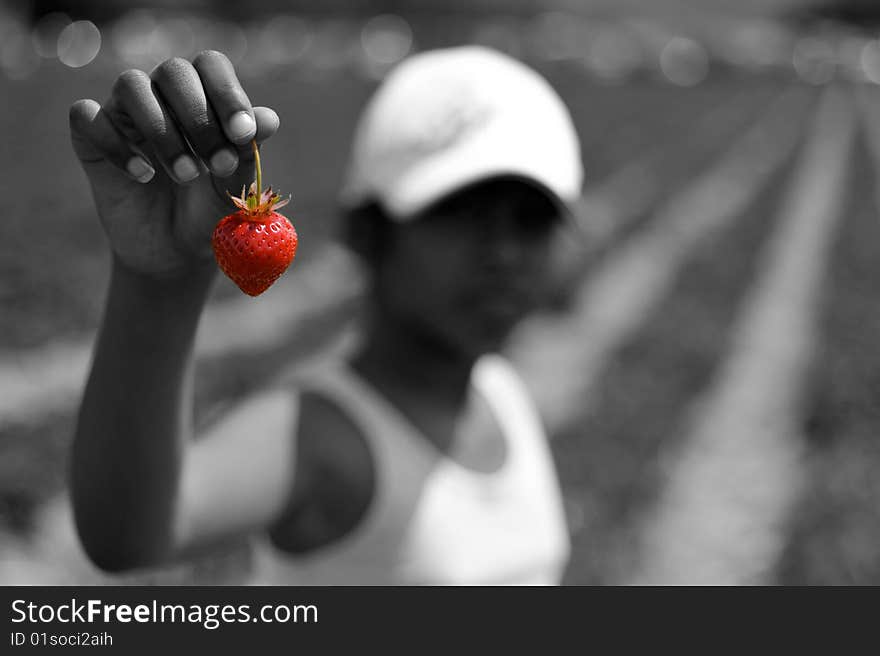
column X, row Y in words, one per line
column 255, row 201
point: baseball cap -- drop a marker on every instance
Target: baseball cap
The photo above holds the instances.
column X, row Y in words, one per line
column 443, row 120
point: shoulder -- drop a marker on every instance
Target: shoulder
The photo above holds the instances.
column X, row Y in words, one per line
column 498, row 379
column 497, row 376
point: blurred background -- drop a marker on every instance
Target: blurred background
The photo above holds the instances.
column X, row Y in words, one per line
column 710, row 374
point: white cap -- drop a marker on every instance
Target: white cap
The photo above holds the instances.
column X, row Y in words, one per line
column 445, row 119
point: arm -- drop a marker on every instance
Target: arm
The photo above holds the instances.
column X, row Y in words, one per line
column 143, row 492
column 134, row 421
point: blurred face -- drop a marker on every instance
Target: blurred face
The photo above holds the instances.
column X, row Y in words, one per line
column 471, row 267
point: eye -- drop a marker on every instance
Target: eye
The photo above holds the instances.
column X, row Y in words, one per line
column 538, row 220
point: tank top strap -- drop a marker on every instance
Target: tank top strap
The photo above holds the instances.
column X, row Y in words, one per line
column 400, row 461
column 512, row 405
column 431, row 520
column 391, row 435
column 388, row 436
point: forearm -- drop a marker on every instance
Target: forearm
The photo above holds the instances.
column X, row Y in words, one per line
column 135, row 417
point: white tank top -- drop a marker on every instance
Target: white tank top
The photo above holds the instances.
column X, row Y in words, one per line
column 432, row 520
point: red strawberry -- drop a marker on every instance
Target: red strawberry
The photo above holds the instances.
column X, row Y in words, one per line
column 255, row 245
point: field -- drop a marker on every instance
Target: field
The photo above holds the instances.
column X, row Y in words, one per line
column 710, row 382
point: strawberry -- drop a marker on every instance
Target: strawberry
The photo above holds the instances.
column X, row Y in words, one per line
column 255, row 245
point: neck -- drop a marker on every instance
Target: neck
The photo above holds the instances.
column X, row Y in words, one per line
column 401, row 358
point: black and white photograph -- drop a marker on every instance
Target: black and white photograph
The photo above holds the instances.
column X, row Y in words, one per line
column 440, row 293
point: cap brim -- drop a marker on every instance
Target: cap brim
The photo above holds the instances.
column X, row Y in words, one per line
column 433, row 181
column 423, row 188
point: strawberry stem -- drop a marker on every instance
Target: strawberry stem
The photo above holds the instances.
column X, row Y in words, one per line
column 259, row 171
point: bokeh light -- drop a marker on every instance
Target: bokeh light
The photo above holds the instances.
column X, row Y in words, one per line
column 758, row 44
column 814, row 60
column 226, row 36
column 614, row 54
column 849, row 55
column 131, row 38
column 386, row 39
column 333, row 47
column 176, row 37
column 46, row 33
column 18, row 59
column 870, row 61
column 282, row 41
column 684, row 61
column 79, row 43
column 557, row 35
column 502, row 35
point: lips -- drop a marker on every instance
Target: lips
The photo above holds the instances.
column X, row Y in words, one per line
column 503, row 307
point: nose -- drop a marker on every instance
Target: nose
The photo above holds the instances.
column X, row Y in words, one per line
column 506, row 243
column 507, row 253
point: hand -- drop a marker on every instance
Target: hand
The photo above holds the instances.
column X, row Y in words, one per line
column 161, row 154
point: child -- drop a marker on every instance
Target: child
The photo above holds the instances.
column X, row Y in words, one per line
column 419, row 460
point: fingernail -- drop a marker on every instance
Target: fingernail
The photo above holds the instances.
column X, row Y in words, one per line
column 185, row 168
column 140, row 169
column 224, row 162
column 242, row 127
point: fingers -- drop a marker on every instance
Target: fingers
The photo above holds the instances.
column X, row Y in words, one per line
column 96, row 139
column 184, row 116
column 226, row 96
column 140, row 114
column 179, row 85
column 267, row 123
